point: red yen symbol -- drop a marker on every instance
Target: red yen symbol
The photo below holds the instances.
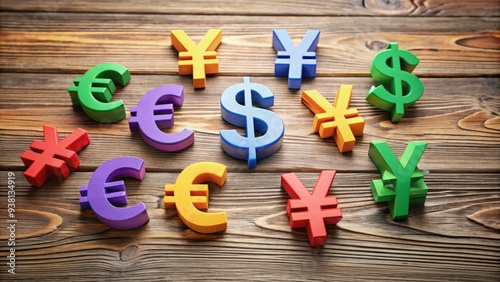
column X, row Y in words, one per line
column 312, row 211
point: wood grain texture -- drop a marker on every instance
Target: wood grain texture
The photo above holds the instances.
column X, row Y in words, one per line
column 457, row 120
column 453, row 237
column 445, row 46
column 263, row 7
column 259, row 241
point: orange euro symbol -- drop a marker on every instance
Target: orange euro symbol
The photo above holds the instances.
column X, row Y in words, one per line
column 188, row 196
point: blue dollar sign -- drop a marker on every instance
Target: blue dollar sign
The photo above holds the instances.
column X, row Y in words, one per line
column 236, row 108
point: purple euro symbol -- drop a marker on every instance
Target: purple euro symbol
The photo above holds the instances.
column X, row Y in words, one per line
column 104, row 191
column 154, row 112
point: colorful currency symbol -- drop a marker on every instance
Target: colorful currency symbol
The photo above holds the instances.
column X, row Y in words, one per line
column 200, row 59
column 155, row 111
column 236, row 108
column 53, row 157
column 402, row 184
column 312, row 211
column 337, row 120
column 400, row 88
column 295, row 62
column 94, row 91
column 105, row 192
column 188, row 196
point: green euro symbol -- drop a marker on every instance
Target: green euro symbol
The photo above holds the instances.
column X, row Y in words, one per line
column 402, row 184
column 94, row 90
column 399, row 88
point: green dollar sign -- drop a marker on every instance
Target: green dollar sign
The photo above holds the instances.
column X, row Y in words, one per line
column 399, row 88
column 93, row 92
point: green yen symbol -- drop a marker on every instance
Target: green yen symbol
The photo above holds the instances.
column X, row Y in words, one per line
column 402, row 184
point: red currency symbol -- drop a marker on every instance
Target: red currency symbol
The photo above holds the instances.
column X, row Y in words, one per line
column 52, row 157
column 312, row 211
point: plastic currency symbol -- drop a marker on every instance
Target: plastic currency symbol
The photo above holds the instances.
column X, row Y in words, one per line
column 187, row 195
column 155, row 111
column 94, row 91
column 236, row 108
column 53, row 156
column 312, row 211
column 400, row 88
column 200, row 59
column 402, row 183
column 295, row 62
column 103, row 192
column 337, row 120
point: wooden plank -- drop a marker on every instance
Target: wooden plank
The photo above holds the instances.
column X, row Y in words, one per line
column 453, row 122
column 72, row 43
column 261, row 7
column 56, row 239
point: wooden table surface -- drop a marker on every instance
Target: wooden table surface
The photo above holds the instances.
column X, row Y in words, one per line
column 455, row 236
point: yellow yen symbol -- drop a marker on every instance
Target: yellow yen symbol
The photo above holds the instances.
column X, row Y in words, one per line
column 200, row 59
column 188, row 196
column 337, row 120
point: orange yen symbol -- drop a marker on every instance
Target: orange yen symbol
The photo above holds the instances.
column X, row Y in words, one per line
column 337, row 120
column 200, row 59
